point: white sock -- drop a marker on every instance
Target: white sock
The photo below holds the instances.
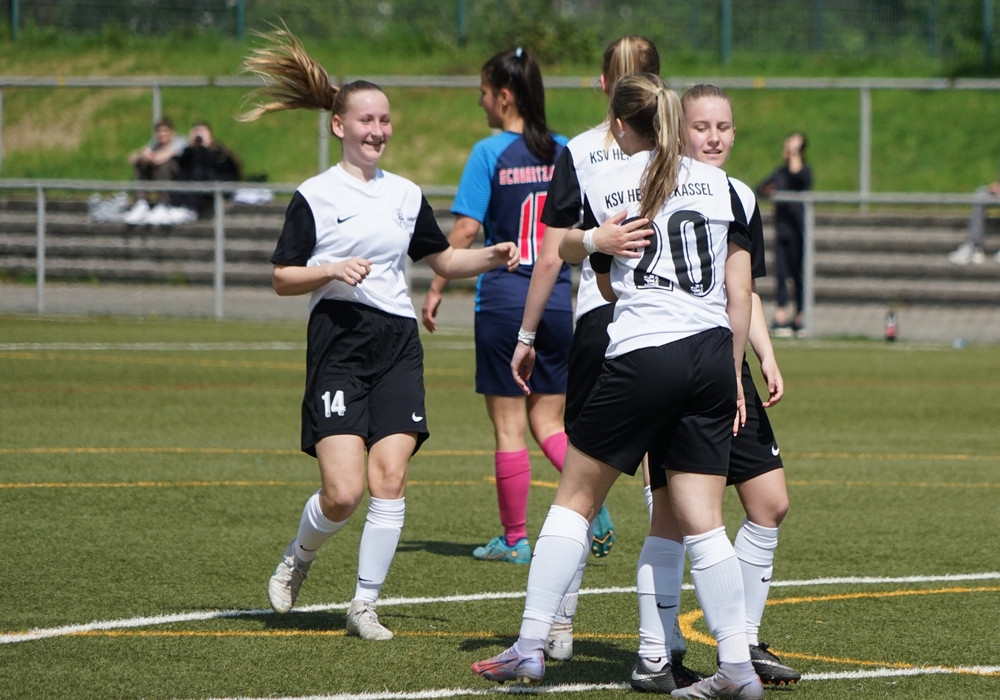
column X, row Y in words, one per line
column 561, row 545
column 719, row 585
column 567, row 609
column 314, row 529
column 658, row 582
column 378, row 545
column 755, row 545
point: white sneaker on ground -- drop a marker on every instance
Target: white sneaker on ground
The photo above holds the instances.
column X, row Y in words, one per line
column 180, row 215
column 158, row 215
column 967, row 254
column 722, row 686
column 138, row 213
column 363, row 622
column 559, row 645
column 996, row 257
column 283, row 588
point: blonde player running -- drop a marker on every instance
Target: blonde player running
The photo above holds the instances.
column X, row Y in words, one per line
column 685, row 294
column 346, row 234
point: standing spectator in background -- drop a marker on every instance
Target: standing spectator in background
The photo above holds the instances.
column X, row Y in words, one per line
column 971, row 250
column 789, row 223
column 503, row 189
column 156, row 161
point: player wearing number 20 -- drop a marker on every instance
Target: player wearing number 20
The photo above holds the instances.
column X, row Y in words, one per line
column 670, row 383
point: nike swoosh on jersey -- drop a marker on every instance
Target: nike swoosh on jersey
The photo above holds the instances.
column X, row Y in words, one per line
column 342, row 219
column 415, row 418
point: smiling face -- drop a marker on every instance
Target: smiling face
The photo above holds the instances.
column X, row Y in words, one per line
column 364, row 129
column 711, row 130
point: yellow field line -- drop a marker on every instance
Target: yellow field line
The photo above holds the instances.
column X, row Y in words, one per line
column 691, row 634
column 473, row 453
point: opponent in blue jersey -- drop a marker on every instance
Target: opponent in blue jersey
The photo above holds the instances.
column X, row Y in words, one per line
column 503, row 188
column 346, row 235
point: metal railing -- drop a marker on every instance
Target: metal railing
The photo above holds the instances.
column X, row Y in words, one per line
column 219, row 190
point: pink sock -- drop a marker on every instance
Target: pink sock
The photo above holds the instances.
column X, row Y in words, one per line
column 554, row 447
column 513, row 473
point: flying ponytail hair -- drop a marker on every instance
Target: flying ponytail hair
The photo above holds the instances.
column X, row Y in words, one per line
column 518, row 71
column 292, row 79
column 654, row 112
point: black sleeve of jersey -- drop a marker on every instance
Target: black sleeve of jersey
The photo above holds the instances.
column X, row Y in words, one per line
column 298, row 235
column 755, row 232
column 757, row 263
column 562, row 201
column 427, row 236
column 601, row 262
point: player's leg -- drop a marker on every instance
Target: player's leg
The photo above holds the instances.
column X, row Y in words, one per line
column 586, row 358
column 513, row 479
column 388, row 460
column 561, row 543
column 765, row 499
column 698, row 458
column 660, row 667
column 547, row 401
column 341, row 461
column 756, row 470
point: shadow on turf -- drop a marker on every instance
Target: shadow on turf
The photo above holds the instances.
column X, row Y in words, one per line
column 447, row 549
column 306, row 621
column 593, row 661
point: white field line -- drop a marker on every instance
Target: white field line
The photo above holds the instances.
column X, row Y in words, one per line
column 135, row 622
column 585, row 687
column 149, row 347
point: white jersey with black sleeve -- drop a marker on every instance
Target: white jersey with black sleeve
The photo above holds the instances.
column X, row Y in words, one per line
column 677, row 288
column 335, row 216
column 586, row 157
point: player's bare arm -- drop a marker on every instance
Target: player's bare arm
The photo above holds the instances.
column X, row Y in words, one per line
column 612, row 237
column 462, row 235
column 291, row 280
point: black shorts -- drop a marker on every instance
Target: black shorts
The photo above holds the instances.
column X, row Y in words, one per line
column 496, row 335
column 586, row 357
column 753, row 451
column 676, row 401
column 364, row 375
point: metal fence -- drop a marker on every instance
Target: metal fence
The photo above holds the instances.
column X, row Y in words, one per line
column 950, row 30
column 42, row 188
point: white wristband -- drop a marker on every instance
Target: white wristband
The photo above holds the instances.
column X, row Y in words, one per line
column 588, row 240
column 526, row 337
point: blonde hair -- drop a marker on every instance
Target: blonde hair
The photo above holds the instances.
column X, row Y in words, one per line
column 702, row 90
column 627, row 55
column 292, row 79
column 654, row 112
